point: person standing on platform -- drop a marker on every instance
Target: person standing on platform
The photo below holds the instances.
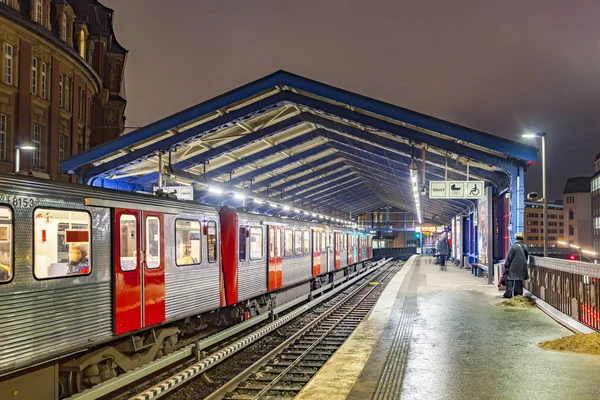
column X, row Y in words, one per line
column 515, row 267
column 443, row 248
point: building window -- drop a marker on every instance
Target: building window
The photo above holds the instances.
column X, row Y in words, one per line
column 34, row 75
column 82, row 43
column 61, row 90
column 81, row 104
column 571, row 230
column 44, row 79
column 36, row 156
column 63, row 27
column 67, row 94
column 2, row 137
column 61, row 243
column 8, row 64
column 61, row 147
column 39, row 8
column 571, row 214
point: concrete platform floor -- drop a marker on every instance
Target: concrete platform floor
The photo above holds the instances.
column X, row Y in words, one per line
column 439, row 335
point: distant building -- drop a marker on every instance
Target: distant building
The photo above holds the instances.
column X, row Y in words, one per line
column 61, row 81
column 595, row 196
column 534, row 223
column 578, row 211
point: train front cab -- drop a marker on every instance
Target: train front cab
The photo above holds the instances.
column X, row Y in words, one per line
column 139, row 269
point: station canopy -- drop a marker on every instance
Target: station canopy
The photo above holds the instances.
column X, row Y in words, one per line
column 289, row 144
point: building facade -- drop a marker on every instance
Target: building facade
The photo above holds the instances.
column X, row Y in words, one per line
column 595, row 199
column 578, row 212
column 61, row 81
column 534, row 223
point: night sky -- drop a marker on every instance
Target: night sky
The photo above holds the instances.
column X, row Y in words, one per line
column 502, row 67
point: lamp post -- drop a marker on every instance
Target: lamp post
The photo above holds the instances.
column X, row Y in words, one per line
column 544, row 196
column 18, row 149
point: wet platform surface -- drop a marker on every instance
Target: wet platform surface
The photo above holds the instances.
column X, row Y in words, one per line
column 443, row 337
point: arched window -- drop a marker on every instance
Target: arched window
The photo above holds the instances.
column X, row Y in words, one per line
column 571, row 213
column 63, row 27
column 82, row 43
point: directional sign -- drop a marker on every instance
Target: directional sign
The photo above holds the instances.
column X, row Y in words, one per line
column 456, row 189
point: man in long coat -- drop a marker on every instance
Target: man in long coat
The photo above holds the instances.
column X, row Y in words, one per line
column 516, row 267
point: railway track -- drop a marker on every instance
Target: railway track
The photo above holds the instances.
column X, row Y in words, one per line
column 281, row 364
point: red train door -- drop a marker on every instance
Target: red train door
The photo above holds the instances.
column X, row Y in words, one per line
column 360, row 247
column 139, row 290
column 350, row 248
column 338, row 242
column 316, row 254
column 275, row 258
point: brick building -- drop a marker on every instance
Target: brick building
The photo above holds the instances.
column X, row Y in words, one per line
column 61, row 81
column 534, row 224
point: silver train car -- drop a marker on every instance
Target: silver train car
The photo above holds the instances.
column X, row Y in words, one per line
column 96, row 282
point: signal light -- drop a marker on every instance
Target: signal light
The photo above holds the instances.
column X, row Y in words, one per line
column 417, row 235
column 572, row 257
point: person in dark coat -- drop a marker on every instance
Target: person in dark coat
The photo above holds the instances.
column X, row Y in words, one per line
column 443, row 248
column 516, row 267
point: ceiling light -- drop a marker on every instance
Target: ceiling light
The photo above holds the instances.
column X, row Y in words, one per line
column 215, row 190
column 239, row 196
column 286, row 208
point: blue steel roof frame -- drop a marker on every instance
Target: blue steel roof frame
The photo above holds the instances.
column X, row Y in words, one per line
column 258, row 156
column 353, row 194
column 523, row 153
column 328, row 193
column 318, row 189
column 303, row 178
column 318, row 182
column 297, row 170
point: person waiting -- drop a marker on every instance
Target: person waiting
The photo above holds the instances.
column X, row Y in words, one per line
column 515, row 267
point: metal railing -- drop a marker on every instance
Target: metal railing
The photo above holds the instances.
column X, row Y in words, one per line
column 394, row 252
column 571, row 287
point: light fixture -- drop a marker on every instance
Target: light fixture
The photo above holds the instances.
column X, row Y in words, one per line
column 286, row 208
column 414, row 178
column 238, row 196
column 574, row 246
column 591, row 253
column 215, row 190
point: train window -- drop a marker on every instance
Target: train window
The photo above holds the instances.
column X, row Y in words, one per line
column 278, row 242
column 212, row 241
column 128, row 242
column 331, row 240
column 187, row 237
column 242, row 243
column 298, row 242
column 153, row 245
column 306, row 241
column 323, row 237
column 271, row 242
column 6, row 244
column 288, row 243
column 256, row 242
column 61, row 243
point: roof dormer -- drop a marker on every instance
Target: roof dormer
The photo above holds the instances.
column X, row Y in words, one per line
column 66, row 18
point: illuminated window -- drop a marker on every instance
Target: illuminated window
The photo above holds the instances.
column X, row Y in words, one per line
column 63, row 27
column 298, row 243
column 39, row 8
column 278, row 243
column 8, row 64
column 67, row 101
column 288, row 243
column 82, row 43
column 61, row 243
column 6, row 244
column 2, row 137
column 36, row 139
column 61, row 90
column 187, row 237
column 256, row 243
column 44, row 79
column 34, row 75
column 212, row 241
column 306, row 241
column 128, row 245
column 242, row 243
column 153, row 242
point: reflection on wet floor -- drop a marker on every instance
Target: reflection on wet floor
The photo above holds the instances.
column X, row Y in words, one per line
column 464, row 347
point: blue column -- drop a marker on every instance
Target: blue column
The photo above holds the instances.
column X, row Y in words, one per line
column 517, row 201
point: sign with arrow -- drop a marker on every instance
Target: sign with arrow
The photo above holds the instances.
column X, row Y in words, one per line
column 456, row 189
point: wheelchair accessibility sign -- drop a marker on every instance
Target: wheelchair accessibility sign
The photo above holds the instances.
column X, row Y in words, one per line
column 456, row 189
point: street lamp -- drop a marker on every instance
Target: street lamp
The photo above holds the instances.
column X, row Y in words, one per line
column 18, row 149
column 544, row 196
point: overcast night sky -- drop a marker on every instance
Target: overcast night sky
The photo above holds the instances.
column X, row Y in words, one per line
column 500, row 67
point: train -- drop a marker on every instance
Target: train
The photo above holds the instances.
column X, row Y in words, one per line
column 96, row 282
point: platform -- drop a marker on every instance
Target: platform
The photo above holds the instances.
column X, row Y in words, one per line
column 439, row 335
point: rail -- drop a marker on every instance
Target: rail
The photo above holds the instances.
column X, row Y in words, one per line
column 571, row 287
column 394, row 252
